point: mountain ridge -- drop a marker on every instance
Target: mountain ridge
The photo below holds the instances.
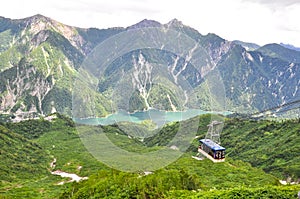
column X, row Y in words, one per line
column 55, row 51
column 290, row 46
column 145, row 23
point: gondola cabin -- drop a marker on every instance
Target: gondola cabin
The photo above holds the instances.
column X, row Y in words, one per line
column 212, row 150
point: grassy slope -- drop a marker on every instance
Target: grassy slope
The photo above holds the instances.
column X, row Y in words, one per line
column 20, row 157
column 278, row 192
column 227, row 179
column 60, row 140
column 50, row 140
column 186, row 178
column 270, row 145
column 24, row 167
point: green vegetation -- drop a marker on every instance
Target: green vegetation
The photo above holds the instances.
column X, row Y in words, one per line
column 240, row 193
column 270, row 145
column 20, row 158
column 267, row 144
column 38, row 69
column 185, row 174
column 28, row 147
column 30, row 129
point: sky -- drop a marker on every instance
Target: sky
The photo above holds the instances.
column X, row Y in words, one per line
column 256, row 21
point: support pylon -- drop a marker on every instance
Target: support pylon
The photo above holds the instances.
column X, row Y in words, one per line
column 213, row 133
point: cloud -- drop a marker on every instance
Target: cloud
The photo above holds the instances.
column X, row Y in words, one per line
column 275, row 3
column 109, row 7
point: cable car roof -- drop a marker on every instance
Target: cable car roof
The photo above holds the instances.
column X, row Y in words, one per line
column 211, row 144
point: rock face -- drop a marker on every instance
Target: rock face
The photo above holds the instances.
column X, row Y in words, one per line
column 40, row 58
column 25, row 81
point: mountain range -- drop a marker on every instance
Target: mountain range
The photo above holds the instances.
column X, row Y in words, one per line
column 41, row 71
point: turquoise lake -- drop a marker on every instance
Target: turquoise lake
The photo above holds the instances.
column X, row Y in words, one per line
column 157, row 116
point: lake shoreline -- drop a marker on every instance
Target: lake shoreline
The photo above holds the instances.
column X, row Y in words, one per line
column 157, row 116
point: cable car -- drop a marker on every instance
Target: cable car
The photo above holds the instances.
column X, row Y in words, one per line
column 212, row 150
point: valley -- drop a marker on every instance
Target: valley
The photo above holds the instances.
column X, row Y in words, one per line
column 119, row 112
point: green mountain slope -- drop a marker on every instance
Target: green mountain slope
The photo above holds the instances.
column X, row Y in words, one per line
column 37, row 142
column 278, row 51
column 40, row 58
column 269, row 145
column 24, row 167
column 38, row 63
column 185, row 174
column 242, row 193
column 31, row 149
column 20, row 158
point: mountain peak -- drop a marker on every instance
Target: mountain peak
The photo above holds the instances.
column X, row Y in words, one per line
column 145, row 23
column 37, row 18
column 175, row 22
